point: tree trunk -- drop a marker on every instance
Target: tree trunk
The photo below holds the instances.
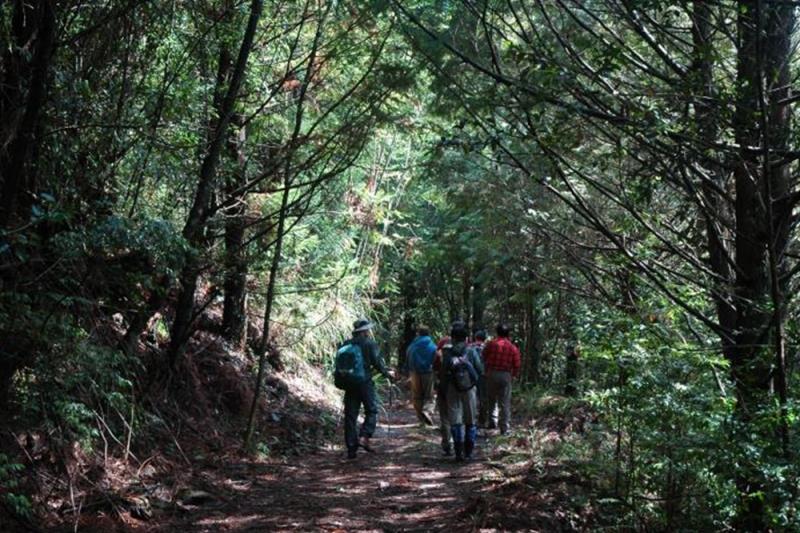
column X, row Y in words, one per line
column 478, row 305
column 533, row 337
column 409, row 299
column 717, row 213
column 571, row 372
column 761, row 231
column 23, row 83
column 194, row 230
column 776, row 122
column 276, row 258
column 466, row 296
column 33, row 26
column 263, row 345
column 234, row 313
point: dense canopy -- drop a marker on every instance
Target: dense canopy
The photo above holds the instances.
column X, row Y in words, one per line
column 199, row 198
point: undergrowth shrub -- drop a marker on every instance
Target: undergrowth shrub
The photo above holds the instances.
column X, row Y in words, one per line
column 666, row 461
column 18, row 503
column 73, row 384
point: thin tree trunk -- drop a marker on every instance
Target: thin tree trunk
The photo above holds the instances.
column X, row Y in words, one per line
column 466, row 295
column 478, row 304
column 533, row 336
column 263, row 344
column 571, row 376
column 276, row 257
column 717, row 213
column 409, row 299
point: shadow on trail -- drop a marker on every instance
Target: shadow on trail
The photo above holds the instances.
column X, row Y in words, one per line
column 405, row 485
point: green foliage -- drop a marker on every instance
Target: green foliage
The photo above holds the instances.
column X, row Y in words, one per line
column 666, row 423
column 18, row 503
column 73, row 383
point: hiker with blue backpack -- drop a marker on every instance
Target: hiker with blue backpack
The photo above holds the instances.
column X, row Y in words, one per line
column 419, row 361
column 463, row 368
column 356, row 360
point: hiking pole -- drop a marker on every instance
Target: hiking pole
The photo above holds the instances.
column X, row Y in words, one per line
column 390, row 410
column 389, row 413
column 382, row 407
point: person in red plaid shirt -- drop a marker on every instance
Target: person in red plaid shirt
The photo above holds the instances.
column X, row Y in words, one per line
column 502, row 360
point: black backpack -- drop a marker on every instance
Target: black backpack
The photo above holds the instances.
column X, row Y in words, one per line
column 462, row 374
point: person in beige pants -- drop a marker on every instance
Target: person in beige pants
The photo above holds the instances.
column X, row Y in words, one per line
column 419, row 362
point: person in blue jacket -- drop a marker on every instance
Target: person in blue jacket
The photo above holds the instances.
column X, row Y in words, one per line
column 419, row 361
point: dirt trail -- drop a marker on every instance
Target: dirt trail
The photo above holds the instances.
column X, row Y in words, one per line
column 406, row 485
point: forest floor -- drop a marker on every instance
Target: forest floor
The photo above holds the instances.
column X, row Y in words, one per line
column 301, row 480
column 406, row 485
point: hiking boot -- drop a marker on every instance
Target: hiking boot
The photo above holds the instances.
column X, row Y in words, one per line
column 364, row 443
column 427, row 418
column 351, row 454
column 459, row 446
column 469, row 441
column 447, row 452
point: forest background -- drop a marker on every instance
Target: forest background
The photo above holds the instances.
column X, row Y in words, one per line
column 614, row 175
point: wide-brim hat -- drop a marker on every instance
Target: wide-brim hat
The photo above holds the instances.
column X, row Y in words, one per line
column 362, row 325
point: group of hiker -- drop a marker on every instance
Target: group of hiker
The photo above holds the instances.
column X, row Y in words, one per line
column 471, row 377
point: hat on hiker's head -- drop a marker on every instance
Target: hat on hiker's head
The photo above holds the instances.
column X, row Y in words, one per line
column 362, row 324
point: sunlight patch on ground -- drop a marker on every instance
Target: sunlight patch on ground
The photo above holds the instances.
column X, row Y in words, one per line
column 228, row 521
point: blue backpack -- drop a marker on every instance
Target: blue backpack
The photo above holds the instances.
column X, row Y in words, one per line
column 422, row 357
column 349, row 371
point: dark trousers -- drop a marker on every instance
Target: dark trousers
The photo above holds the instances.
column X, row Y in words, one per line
column 353, row 398
column 444, row 418
column 486, row 419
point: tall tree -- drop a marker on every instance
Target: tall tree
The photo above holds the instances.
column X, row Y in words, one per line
column 194, row 229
